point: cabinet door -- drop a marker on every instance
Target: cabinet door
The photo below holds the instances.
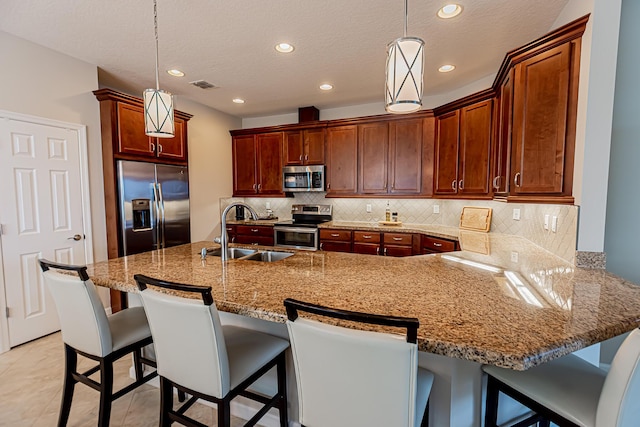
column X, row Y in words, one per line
column 366, row 248
column 405, row 155
column 502, row 146
column 373, row 157
column 313, row 146
column 446, row 157
column 541, row 95
column 244, row 165
column 342, row 160
column 398, row 251
column 475, row 146
column 269, row 163
column 293, row 148
column 335, row 246
column 174, row 148
column 131, row 136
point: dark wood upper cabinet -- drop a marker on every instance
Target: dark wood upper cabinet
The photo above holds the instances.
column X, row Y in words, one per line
column 475, row 146
column 244, row 152
column 541, row 100
column 405, row 155
column 304, row 147
column 373, row 156
column 445, row 174
column 342, row 160
column 174, row 148
column 502, row 141
column 131, row 136
column 257, row 164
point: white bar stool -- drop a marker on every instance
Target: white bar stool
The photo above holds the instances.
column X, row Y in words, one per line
column 355, row 378
column 88, row 331
column 199, row 356
column 571, row 392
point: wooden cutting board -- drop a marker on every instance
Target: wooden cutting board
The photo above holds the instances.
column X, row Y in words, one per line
column 475, row 218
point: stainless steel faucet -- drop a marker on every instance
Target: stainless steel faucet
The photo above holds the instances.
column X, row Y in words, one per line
column 224, row 236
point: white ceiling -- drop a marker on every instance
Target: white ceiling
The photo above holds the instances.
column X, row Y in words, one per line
column 231, row 43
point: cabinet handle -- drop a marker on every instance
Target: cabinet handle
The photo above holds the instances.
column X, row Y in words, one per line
column 328, row 185
column 233, row 239
column 321, row 243
column 255, row 187
column 300, row 158
column 366, row 237
column 254, row 230
column 159, row 148
column 335, row 235
column 437, row 245
column 306, row 157
column 495, row 183
column 259, row 187
column 153, row 147
column 385, row 251
column 397, row 239
column 378, row 250
column 229, row 228
column 516, row 179
column 453, row 185
column 461, row 185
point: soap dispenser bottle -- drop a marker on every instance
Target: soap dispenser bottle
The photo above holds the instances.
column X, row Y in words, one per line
column 387, row 213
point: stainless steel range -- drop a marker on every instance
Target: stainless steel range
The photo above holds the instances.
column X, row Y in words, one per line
column 302, row 231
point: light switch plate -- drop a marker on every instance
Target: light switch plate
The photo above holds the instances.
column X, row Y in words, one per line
column 546, row 222
column 516, row 214
column 436, row 209
column 368, row 207
column 514, row 256
column 554, row 224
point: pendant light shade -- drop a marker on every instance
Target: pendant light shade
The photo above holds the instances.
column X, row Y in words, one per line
column 158, row 104
column 158, row 113
column 405, row 64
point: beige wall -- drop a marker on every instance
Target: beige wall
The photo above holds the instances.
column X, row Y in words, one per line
column 210, row 176
column 45, row 83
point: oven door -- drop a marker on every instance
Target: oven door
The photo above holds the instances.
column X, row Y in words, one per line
column 296, row 237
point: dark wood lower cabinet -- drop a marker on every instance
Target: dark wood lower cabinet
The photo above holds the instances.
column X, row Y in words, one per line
column 432, row 245
column 254, row 235
column 383, row 243
column 335, row 240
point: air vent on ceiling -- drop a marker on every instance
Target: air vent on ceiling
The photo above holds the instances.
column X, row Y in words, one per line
column 202, row 84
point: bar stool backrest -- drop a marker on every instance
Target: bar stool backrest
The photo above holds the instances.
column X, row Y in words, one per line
column 82, row 317
column 619, row 401
column 189, row 343
column 349, row 377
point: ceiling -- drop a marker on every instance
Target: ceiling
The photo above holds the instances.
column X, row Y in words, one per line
column 231, row 45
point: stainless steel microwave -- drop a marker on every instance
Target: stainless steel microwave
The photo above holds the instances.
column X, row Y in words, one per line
column 303, row 178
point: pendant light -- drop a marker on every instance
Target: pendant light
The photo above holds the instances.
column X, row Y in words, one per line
column 158, row 104
column 405, row 63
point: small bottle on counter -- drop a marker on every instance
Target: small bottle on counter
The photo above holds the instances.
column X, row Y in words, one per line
column 387, row 213
column 394, row 217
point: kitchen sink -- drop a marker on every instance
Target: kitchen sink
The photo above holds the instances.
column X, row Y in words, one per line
column 268, row 256
column 234, row 253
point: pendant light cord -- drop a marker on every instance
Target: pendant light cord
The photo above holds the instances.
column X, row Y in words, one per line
column 155, row 26
column 406, row 18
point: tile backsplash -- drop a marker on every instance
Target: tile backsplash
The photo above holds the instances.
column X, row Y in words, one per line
column 421, row 211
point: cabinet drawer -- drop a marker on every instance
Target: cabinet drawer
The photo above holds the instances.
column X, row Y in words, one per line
column 254, row 240
column 398, row 239
column 432, row 244
column 254, row 230
column 398, row 251
column 366, row 237
column 336, row 235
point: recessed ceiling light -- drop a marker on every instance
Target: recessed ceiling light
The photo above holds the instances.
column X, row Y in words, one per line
column 175, row 73
column 446, row 68
column 238, row 100
column 449, row 11
column 284, row 47
column 326, row 86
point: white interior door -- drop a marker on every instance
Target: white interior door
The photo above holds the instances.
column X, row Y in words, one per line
column 41, row 214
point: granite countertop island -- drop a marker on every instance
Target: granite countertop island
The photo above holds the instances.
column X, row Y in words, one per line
column 482, row 304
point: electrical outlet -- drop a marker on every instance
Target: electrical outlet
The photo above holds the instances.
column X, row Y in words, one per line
column 516, row 214
column 436, row 209
column 514, row 256
column 268, row 205
column 554, row 224
column 546, row 222
column 369, row 207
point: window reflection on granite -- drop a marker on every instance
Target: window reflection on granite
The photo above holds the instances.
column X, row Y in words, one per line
column 475, row 264
column 544, row 280
column 515, row 281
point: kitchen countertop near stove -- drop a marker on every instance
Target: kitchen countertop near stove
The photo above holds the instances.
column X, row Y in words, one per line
column 504, row 301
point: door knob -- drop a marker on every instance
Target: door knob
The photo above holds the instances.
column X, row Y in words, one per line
column 75, row 237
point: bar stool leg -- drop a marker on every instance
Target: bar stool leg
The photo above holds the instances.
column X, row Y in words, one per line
column 282, row 390
column 137, row 364
column 166, row 402
column 224, row 417
column 106, row 391
column 491, row 414
column 70, row 366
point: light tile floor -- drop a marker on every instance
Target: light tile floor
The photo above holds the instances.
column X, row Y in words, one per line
column 31, row 384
